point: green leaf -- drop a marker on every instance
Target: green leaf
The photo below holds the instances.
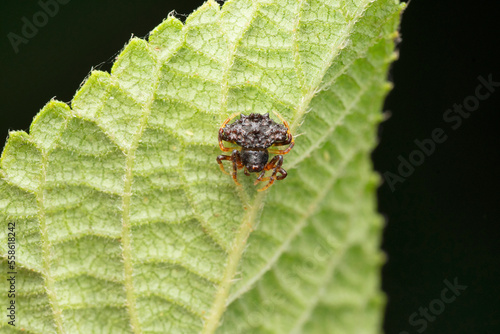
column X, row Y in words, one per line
column 124, row 222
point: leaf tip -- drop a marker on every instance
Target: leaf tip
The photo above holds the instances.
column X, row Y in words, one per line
column 48, row 123
column 20, row 161
column 86, row 100
column 167, row 34
column 206, row 13
column 132, row 52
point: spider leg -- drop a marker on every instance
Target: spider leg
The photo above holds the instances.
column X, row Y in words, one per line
column 261, row 178
column 275, row 164
column 221, row 131
column 220, row 158
column 270, row 165
column 237, row 164
column 285, row 151
column 282, row 175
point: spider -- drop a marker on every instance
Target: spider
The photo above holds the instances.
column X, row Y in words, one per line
column 255, row 133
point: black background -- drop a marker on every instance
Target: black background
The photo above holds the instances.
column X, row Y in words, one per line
column 441, row 221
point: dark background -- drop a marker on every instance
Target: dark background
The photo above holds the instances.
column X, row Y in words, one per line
column 442, row 220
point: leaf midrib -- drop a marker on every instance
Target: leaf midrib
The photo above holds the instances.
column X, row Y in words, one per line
column 238, row 245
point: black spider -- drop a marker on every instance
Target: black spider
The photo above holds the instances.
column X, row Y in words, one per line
column 255, row 133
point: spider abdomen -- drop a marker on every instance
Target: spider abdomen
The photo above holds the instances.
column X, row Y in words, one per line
column 255, row 131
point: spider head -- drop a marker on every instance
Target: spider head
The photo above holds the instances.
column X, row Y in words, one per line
column 254, row 160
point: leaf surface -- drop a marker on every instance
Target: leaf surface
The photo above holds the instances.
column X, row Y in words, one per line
column 124, row 222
